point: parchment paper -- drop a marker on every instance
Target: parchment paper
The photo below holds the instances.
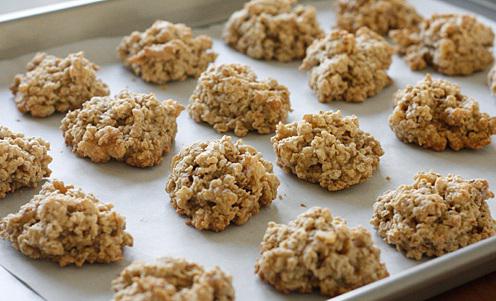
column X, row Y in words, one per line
column 139, row 194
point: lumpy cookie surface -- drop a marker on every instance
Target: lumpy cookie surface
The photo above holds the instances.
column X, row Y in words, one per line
column 380, row 16
column 23, row 161
column 229, row 97
column 66, row 225
column 218, row 183
column 347, row 66
column 451, row 44
column 327, row 149
column 135, row 128
column 273, row 30
column 318, row 252
column 435, row 215
column 54, row 84
column 166, row 52
column 434, row 114
column 171, row 279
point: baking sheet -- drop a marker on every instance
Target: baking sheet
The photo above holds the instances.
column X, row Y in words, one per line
column 139, row 194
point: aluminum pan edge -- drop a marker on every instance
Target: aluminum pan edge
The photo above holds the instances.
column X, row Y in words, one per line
column 64, row 23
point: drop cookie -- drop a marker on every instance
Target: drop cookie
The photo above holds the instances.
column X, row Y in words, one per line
column 221, row 182
column 328, row 149
column 229, row 97
column 65, row 225
column 318, row 252
column 435, row 215
column 273, row 30
column 54, row 84
column 134, row 128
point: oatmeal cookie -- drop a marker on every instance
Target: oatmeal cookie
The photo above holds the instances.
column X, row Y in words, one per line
column 318, row 252
column 451, row 44
column 166, row 52
column 380, row 16
column 346, row 66
column 435, row 215
column 169, row 279
column 23, row 161
column 435, row 115
column 491, row 79
column 54, row 84
column 135, row 128
column 273, row 30
column 328, row 149
column 66, row 225
column 229, row 97
column 219, row 182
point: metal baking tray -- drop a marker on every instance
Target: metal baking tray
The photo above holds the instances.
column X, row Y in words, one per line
column 57, row 25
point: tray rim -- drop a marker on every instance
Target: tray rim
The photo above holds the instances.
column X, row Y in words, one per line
column 479, row 257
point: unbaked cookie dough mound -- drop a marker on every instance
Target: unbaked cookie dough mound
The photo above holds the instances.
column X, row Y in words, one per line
column 273, row 30
column 491, row 79
column 135, row 128
column 218, row 183
column 380, row 16
column 327, row 149
column 229, row 97
column 171, row 279
column 166, row 52
column 451, row 44
column 349, row 67
column 435, row 215
column 434, row 114
column 66, row 225
column 318, row 252
column 54, row 84
column 23, row 161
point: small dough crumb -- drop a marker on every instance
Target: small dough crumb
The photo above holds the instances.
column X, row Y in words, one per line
column 491, row 79
column 23, row 161
column 66, row 225
column 380, row 16
column 451, row 44
column 434, row 216
column 388, row 178
column 134, row 128
column 273, row 30
column 55, row 84
column 435, row 115
column 219, row 182
column 166, row 52
column 168, row 279
column 349, row 67
column 328, row 149
column 318, row 252
column 229, row 97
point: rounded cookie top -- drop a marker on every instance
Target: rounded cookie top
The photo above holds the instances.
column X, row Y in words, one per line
column 435, row 215
column 452, row 44
column 23, row 161
column 328, row 149
column 273, row 29
column 168, row 279
column 380, row 16
column 166, row 52
column 347, row 66
column 229, row 97
column 319, row 252
column 434, row 114
column 54, row 84
column 219, row 182
column 64, row 224
column 137, row 129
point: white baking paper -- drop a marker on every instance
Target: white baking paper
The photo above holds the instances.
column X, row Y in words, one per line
column 139, row 194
